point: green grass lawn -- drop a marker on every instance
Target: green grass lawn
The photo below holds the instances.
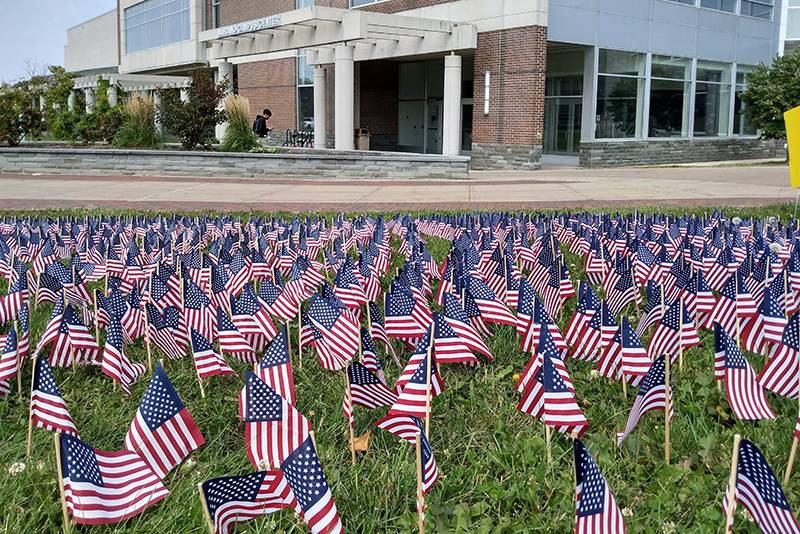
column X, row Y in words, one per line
column 494, row 476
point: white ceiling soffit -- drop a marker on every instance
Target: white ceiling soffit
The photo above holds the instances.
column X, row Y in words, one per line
column 320, row 29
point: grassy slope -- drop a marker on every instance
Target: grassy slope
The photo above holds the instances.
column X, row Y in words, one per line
column 493, row 471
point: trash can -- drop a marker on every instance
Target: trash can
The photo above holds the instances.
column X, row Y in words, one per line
column 362, row 138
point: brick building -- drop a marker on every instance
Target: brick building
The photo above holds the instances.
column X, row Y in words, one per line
column 512, row 83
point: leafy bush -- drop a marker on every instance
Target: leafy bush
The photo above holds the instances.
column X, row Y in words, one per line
column 138, row 128
column 62, row 125
column 193, row 121
column 239, row 136
column 104, row 121
column 770, row 92
column 18, row 116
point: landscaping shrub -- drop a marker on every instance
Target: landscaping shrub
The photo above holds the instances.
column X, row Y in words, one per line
column 18, row 115
column 239, row 136
column 138, row 129
column 193, row 121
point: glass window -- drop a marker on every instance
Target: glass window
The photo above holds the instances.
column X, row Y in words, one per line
column 619, row 107
column 690, row 2
column 721, row 5
column 155, row 23
column 304, row 3
column 761, row 9
column 676, row 68
column 740, row 124
column 619, row 62
column 305, row 72
column 712, row 99
column 669, row 108
column 305, row 108
column 215, row 14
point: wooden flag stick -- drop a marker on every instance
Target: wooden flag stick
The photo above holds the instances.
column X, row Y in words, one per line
column 547, row 438
column 30, row 410
column 314, row 441
column 17, row 358
column 732, row 482
column 788, row 473
column 59, row 475
column 794, row 443
column 428, row 390
column 147, row 340
column 667, row 366
column 574, row 465
column 420, row 487
column 96, row 322
column 680, row 337
column 349, row 393
column 622, row 365
column 205, row 508
column 299, row 333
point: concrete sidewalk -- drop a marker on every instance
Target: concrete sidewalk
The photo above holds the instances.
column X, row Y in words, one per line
column 549, row 188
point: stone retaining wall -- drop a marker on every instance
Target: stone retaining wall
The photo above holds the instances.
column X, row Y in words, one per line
column 664, row 152
column 488, row 156
column 291, row 163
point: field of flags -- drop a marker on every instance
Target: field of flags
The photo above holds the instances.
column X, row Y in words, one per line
column 395, row 324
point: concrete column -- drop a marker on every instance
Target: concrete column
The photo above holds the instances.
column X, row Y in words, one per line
column 451, row 120
column 71, row 101
column 157, row 107
column 184, row 94
column 224, row 71
column 345, row 126
column 90, row 99
column 42, row 103
column 320, row 112
column 111, row 92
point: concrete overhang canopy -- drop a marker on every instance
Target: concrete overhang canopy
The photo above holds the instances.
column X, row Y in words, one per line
column 320, row 29
column 132, row 82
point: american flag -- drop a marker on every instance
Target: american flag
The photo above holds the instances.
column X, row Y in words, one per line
column 766, row 327
column 23, row 334
column 449, row 347
column 73, row 339
column 596, row 510
column 369, row 355
column 115, row 363
column 239, row 498
column 347, row 287
column 745, row 394
column 51, row 330
column 404, row 318
column 732, row 304
column 275, row 368
column 206, row 359
column 9, row 359
column 620, row 287
column 541, row 320
column 162, row 336
column 669, row 335
column 339, row 333
column 197, row 310
column 379, row 329
column 758, row 489
column 250, row 317
column 106, row 487
column 651, row 396
column 162, row 432
column 491, row 309
column 49, row 289
column 455, row 316
column 48, row 409
column 303, row 472
column 560, row 410
column 407, row 427
column 625, row 354
column 412, row 383
column 231, row 340
column 525, row 305
column 367, row 389
column 273, row 427
column 587, row 305
column 780, row 374
column 653, row 312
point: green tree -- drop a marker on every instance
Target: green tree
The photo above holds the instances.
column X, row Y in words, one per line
column 770, row 92
column 193, row 121
column 18, row 115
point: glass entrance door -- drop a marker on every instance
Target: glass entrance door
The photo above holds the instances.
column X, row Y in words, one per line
column 562, row 125
column 433, row 127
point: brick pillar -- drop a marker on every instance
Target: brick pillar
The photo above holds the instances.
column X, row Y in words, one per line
column 510, row 136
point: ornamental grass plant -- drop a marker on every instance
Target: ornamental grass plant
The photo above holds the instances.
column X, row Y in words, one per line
column 239, row 136
column 138, row 129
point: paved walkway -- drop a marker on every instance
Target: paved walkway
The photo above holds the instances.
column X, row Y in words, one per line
column 549, row 188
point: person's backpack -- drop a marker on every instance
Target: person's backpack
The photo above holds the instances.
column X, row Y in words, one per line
column 260, row 125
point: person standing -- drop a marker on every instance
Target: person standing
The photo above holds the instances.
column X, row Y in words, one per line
column 260, row 124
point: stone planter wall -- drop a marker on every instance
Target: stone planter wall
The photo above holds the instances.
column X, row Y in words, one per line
column 664, row 152
column 291, row 163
